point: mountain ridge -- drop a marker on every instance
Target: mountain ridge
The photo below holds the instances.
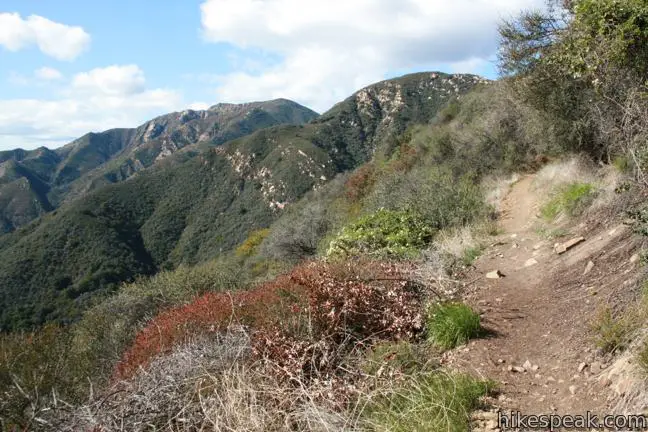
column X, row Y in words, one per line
column 100, row 158
column 188, row 209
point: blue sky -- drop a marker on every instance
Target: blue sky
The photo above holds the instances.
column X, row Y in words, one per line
column 68, row 67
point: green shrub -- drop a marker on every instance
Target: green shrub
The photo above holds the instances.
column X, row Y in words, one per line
column 471, row 254
column 613, row 334
column 436, row 194
column 433, row 401
column 385, row 233
column 570, row 200
column 251, row 245
column 452, row 324
column 32, row 366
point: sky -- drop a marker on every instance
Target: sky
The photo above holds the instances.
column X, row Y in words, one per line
column 69, row 67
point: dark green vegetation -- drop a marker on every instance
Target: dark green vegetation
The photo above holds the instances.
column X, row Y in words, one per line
column 427, row 402
column 452, row 324
column 571, row 200
column 192, row 207
column 35, row 182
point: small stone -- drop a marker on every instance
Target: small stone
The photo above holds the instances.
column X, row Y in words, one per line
column 527, row 365
column 538, row 376
column 634, row 258
column 606, row 382
column 590, row 266
column 518, row 369
column 551, row 379
column 564, row 247
column 581, row 367
column 530, row 262
column 514, row 235
column 534, row 368
column 501, row 361
column 495, row 274
column 515, row 246
column 572, row 389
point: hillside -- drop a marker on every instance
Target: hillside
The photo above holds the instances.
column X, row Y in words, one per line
column 47, row 178
column 435, row 253
column 188, row 210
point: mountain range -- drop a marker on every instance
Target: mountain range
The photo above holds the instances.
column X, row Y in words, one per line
column 35, row 182
column 181, row 189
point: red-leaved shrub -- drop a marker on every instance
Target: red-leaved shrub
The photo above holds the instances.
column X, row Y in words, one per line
column 212, row 312
column 360, row 182
column 304, row 322
column 349, row 304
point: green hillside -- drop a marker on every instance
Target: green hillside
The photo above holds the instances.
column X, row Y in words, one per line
column 186, row 210
column 52, row 177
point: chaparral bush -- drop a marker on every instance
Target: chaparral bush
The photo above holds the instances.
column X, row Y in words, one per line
column 304, row 321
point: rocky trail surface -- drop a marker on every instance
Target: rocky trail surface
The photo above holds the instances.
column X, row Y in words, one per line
column 539, row 313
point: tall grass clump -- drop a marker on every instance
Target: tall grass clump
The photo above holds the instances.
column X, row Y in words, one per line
column 452, row 324
column 571, row 200
column 433, row 401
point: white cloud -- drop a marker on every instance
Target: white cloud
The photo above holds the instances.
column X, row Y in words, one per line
column 115, row 96
column 48, row 74
column 112, row 80
column 54, row 39
column 199, row 106
column 332, row 47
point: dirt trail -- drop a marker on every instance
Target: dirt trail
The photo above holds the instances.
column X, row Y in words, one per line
column 541, row 311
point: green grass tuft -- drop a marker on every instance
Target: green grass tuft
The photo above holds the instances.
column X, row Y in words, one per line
column 471, row 254
column 614, row 334
column 434, row 401
column 570, row 200
column 452, row 324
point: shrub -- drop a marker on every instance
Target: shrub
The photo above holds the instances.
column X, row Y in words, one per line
column 471, row 254
column 571, row 199
column 360, row 182
column 34, row 367
column 434, row 194
column 391, row 359
column 432, row 401
column 452, row 324
column 211, row 313
column 350, row 305
column 613, row 334
column 304, row 321
column 299, row 231
column 385, row 233
column 251, row 245
column 107, row 329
